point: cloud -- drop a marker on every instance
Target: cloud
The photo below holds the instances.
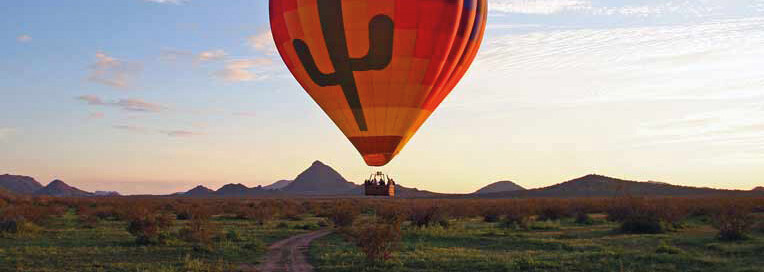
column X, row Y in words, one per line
column 692, row 8
column 180, row 133
column 129, row 104
column 113, row 72
column 537, row 6
column 212, row 55
column 263, row 42
column 23, row 38
column 240, row 70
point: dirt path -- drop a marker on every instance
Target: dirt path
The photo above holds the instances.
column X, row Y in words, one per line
column 288, row 255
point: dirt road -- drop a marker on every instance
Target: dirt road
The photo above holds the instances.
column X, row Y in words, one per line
column 289, row 254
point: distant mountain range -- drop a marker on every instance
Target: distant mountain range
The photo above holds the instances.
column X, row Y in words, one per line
column 318, row 180
column 602, row 186
column 321, row 180
column 24, row 185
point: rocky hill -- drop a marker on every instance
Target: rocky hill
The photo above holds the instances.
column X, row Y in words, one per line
column 19, row 184
column 319, row 179
column 497, row 187
column 60, row 188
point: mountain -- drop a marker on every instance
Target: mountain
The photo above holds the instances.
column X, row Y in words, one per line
column 106, row 193
column 501, row 186
column 278, row 185
column 199, row 191
column 59, row 188
column 758, row 189
column 233, row 190
column 602, row 186
column 319, row 179
column 19, row 184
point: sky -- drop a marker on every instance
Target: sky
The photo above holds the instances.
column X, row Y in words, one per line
column 158, row 96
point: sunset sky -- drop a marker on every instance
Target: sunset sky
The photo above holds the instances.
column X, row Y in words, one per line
column 157, row 96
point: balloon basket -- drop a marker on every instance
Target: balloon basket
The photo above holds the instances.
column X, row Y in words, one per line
column 379, row 184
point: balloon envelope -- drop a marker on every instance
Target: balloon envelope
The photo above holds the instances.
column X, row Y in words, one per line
column 378, row 68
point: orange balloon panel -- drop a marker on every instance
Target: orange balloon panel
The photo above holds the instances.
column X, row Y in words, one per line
column 378, row 68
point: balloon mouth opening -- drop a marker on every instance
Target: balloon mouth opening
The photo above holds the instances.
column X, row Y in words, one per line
column 377, row 159
column 377, row 150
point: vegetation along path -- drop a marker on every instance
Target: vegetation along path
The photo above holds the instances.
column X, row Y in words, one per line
column 289, row 254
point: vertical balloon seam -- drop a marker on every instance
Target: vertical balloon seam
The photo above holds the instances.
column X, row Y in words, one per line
column 441, row 87
column 402, row 101
column 438, row 66
column 476, row 38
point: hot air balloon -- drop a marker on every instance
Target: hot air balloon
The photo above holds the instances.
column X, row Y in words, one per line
column 378, row 68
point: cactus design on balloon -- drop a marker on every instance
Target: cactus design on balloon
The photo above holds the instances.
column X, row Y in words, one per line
column 380, row 54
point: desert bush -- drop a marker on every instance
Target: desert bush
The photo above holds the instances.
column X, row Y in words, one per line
column 377, row 240
column 28, row 212
column 643, row 216
column 491, row 214
column 261, row 214
column 18, row 227
column 583, row 218
column 199, row 230
column 146, row 225
column 391, row 214
column 425, row 215
column 344, row 213
column 233, row 236
column 733, row 220
column 517, row 216
column 553, row 211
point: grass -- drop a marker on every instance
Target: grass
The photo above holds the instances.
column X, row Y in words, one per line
column 65, row 245
column 473, row 245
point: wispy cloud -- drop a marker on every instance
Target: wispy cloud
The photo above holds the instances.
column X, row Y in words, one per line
column 212, row 55
column 24, row 38
column 692, row 8
column 128, row 104
column 706, row 61
column 263, row 43
column 537, row 6
column 241, row 70
column 113, row 72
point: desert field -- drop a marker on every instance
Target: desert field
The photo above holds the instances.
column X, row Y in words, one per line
column 183, row 234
